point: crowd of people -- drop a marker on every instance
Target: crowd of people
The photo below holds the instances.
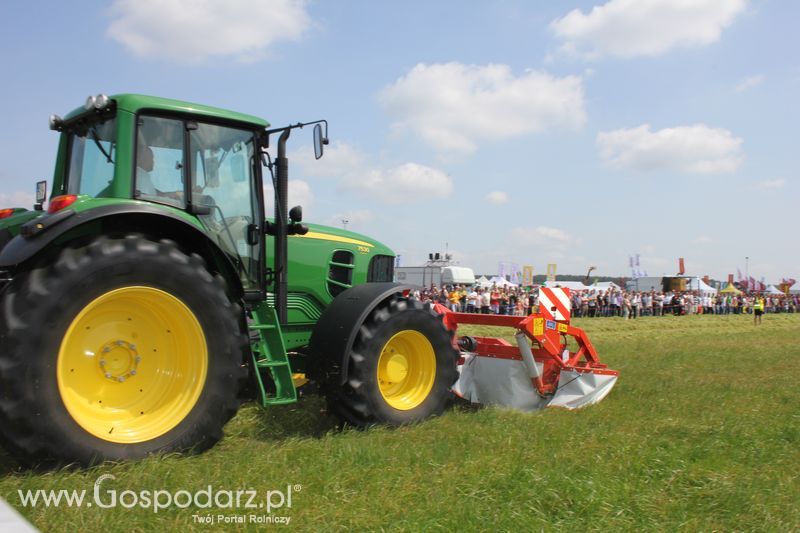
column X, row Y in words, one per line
column 491, row 300
column 633, row 304
column 610, row 303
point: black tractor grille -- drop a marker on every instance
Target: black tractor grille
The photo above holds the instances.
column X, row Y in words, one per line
column 340, row 272
column 381, row 268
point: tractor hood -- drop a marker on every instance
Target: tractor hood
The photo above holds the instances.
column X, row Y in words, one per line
column 331, row 234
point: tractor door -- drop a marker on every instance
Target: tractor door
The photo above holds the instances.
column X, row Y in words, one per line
column 225, row 185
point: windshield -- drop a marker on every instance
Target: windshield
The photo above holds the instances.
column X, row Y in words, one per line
column 92, row 151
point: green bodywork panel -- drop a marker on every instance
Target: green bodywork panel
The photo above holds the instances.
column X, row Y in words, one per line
column 321, row 263
column 16, row 220
column 311, row 288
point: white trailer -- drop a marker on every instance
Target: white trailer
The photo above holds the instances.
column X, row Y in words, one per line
column 425, row 276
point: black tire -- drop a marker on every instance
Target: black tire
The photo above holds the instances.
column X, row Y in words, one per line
column 42, row 305
column 360, row 402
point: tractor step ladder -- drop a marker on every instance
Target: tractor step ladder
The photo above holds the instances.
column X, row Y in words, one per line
column 270, row 360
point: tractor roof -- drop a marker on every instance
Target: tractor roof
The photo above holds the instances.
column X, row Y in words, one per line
column 135, row 103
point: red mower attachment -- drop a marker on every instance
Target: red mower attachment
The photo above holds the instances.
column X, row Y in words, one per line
column 541, row 370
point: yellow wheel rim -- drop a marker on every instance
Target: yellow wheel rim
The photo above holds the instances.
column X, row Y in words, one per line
column 132, row 364
column 406, row 370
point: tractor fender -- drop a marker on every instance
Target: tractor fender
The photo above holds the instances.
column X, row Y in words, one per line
column 337, row 327
column 44, row 231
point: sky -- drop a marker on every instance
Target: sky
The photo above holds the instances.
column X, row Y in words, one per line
column 517, row 132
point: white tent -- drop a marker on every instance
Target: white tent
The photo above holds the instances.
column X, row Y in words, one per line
column 697, row 284
column 604, row 286
column 772, row 290
column 483, row 282
column 501, row 282
column 571, row 285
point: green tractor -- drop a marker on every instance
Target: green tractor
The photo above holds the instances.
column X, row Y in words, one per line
column 154, row 295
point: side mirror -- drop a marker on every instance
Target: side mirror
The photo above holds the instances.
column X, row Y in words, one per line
column 41, row 195
column 296, row 214
column 319, row 141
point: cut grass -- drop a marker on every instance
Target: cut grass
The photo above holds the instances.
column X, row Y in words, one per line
column 702, row 432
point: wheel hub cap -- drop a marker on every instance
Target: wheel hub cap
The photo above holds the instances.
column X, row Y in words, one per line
column 406, row 370
column 118, row 360
column 396, row 368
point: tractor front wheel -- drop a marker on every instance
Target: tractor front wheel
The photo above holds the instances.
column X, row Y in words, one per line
column 401, row 368
column 117, row 350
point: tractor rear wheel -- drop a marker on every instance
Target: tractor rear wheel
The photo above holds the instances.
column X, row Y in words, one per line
column 401, row 367
column 117, row 350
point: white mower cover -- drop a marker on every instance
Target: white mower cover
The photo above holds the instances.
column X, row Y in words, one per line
column 506, row 382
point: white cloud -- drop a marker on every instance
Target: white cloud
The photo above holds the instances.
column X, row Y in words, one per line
column 340, row 159
column 409, row 181
column 541, row 236
column 17, row 199
column 299, row 194
column 356, row 172
column 696, row 149
column 771, row 184
column 750, row 82
column 195, row 30
column 630, row 28
column 454, row 106
column 497, row 197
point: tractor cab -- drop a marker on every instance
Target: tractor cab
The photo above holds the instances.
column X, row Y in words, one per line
column 200, row 165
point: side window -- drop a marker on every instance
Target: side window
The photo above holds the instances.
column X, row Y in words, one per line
column 159, row 161
column 91, row 159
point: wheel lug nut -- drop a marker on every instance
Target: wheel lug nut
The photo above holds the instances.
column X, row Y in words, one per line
column 108, row 375
column 133, row 372
column 121, row 379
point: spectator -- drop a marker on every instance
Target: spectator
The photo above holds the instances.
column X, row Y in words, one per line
column 636, row 305
column 485, row 299
column 455, row 300
column 758, row 310
column 472, row 301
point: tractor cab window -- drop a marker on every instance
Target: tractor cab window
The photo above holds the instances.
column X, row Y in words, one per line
column 222, row 180
column 159, row 161
column 92, row 151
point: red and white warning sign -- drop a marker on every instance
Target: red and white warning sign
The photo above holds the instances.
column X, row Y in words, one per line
column 554, row 303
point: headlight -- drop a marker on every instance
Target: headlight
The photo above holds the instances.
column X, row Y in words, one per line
column 100, row 101
column 55, row 122
column 89, row 103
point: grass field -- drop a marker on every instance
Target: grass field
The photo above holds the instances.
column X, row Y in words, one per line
column 702, row 432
